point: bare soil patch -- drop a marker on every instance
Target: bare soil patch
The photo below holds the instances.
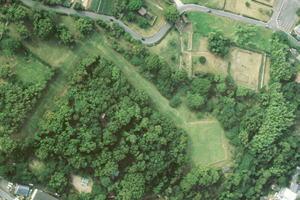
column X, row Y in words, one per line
column 82, row 188
column 248, row 69
column 245, row 67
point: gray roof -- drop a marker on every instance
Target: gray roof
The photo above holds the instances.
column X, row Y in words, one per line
column 22, row 190
column 40, row 195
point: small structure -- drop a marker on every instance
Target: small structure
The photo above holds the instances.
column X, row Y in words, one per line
column 85, row 182
column 142, row 11
column 22, row 191
column 40, row 195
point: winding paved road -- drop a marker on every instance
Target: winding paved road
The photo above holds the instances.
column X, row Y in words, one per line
column 164, row 29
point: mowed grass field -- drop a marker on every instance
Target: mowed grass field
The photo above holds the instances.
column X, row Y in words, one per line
column 102, row 6
column 204, row 23
column 27, row 69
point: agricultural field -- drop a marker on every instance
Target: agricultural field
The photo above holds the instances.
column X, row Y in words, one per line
column 250, row 9
column 102, row 6
column 257, row 9
column 249, row 69
column 218, row 4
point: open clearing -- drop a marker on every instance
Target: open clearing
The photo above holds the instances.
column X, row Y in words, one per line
column 248, row 69
column 79, row 186
column 169, row 48
column 204, row 23
column 28, row 69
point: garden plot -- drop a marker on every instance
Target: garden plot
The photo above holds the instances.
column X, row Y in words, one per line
column 218, row 4
column 248, row 69
column 102, row 6
column 250, row 9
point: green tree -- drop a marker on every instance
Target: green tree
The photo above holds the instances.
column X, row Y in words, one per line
column 84, row 25
column 218, row 44
column 64, row 35
column 171, row 14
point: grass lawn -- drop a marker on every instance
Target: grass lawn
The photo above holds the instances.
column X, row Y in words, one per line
column 218, row 4
column 28, row 69
column 204, row 23
column 32, row 71
column 102, row 6
column 169, row 48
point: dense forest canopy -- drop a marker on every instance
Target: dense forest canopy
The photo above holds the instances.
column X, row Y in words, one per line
column 105, row 129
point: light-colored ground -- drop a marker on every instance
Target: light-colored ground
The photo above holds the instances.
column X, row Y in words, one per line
column 298, row 78
column 255, row 10
column 76, row 182
column 249, row 69
column 245, row 67
column 86, row 3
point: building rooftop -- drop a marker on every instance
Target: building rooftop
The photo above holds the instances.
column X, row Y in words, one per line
column 22, row 190
column 40, row 195
column 142, row 11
